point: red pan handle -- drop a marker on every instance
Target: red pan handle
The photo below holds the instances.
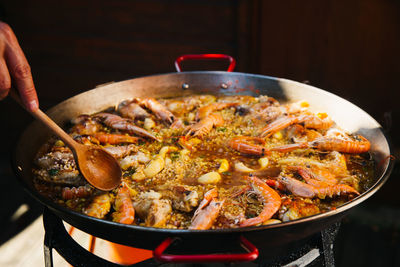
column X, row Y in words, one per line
column 232, row 61
column 251, row 255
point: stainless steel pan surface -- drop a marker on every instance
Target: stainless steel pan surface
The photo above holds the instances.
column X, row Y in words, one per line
column 344, row 113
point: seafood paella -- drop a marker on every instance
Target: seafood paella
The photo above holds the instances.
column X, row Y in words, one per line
column 209, row 162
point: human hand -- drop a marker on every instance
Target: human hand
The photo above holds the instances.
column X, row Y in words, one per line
column 15, row 70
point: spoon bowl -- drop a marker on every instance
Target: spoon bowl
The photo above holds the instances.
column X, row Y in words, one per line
column 96, row 165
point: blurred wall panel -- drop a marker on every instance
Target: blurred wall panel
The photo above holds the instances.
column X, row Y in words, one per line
column 350, row 48
column 75, row 45
column 347, row 47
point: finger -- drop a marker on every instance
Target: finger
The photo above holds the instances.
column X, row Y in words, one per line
column 5, row 80
column 20, row 72
column 22, row 78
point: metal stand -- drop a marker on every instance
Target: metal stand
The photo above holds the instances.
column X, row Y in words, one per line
column 317, row 252
column 56, row 237
column 328, row 237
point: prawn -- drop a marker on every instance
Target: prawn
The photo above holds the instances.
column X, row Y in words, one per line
column 206, row 217
column 207, row 211
column 275, row 184
column 321, row 121
column 84, row 125
column 277, row 125
column 131, row 110
column 178, row 124
column 313, row 179
column 124, row 211
column 357, row 145
column 121, row 151
column 266, row 111
column 157, row 108
column 353, row 146
column 205, row 125
column 301, row 189
column 205, row 111
column 270, row 199
column 242, row 145
column 118, row 123
column 76, row 192
column 208, row 196
column 183, row 142
column 114, row 139
column 309, row 121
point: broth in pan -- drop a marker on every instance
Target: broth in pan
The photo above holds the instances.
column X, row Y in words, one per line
column 209, row 162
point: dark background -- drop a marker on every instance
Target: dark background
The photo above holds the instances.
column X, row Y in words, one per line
column 350, row 48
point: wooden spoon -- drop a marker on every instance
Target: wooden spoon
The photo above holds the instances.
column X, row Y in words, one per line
column 96, row 165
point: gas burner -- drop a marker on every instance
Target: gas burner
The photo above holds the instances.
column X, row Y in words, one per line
column 316, row 250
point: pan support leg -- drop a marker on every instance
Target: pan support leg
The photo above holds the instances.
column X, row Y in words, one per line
column 48, row 251
column 328, row 236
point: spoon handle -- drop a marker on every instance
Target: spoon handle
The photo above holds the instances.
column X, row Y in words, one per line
column 40, row 115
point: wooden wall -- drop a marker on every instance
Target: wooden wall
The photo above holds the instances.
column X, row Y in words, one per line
column 75, row 45
column 350, row 48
